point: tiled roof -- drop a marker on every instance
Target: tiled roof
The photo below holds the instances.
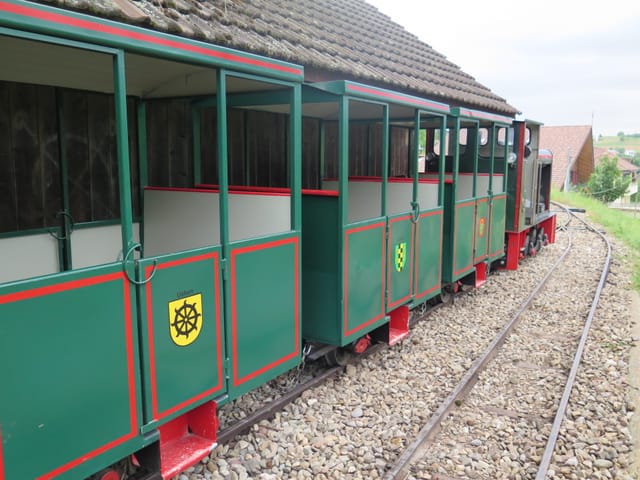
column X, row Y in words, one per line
column 567, row 143
column 333, row 39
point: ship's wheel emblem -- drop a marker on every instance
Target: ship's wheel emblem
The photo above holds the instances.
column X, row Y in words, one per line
column 185, row 319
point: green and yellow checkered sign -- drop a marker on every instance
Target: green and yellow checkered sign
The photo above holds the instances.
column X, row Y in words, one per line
column 401, row 255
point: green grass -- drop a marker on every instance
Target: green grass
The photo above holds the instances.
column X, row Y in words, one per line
column 622, row 225
column 629, row 143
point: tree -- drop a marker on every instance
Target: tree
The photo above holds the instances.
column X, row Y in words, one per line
column 607, row 182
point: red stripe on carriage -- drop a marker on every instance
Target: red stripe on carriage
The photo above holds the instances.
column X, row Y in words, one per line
column 73, row 285
column 234, row 313
column 320, row 193
column 157, row 415
column 140, row 37
column 345, row 326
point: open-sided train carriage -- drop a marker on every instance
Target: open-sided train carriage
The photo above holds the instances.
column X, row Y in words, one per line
column 176, row 219
column 131, row 302
column 474, row 194
column 371, row 228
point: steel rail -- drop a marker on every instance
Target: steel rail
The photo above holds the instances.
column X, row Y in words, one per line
column 401, row 468
column 268, row 410
column 577, row 359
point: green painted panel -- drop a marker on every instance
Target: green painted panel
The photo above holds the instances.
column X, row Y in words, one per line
column 364, row 278
column 428, row 251
column 498, row 207
column 264, row 320
column 69, row 356
column 482, row 223
column 321, row 296
column 400, row 260
column 463, row 238
column 182, row 332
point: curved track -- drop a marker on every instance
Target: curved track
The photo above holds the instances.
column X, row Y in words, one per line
column 428, row 433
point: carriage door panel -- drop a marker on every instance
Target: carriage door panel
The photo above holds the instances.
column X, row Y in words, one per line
column 498, row 209
column 481, row 229
column 264, row 313
column 71, row 382
column 428, row 253
column 182, row 331
column 400, row 256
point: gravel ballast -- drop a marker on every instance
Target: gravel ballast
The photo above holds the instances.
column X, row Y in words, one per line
column 357, row 424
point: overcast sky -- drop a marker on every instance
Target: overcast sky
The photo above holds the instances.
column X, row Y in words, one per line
column 561, row 62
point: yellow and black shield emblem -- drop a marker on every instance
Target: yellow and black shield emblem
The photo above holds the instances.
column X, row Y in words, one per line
column 401, row 256
column 185, row 319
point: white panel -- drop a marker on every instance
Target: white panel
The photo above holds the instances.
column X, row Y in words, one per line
column 427, row 195
column 98, row 245
column 498, row 183
column 258, row 215
column 365, row 199
column 28, row 256
column 465, row 187
column 399, row 196
column 482, row 185
column 179, row 220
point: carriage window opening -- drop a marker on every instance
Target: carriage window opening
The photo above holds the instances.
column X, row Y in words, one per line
column 527, row 136
column 462, row 136
column 505, row 136
column 438, row 141
column 483, row 136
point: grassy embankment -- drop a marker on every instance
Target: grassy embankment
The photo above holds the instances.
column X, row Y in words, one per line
column 628, row 143
column 624, row 226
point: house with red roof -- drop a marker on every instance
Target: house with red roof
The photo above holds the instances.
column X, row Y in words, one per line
column 573, row 154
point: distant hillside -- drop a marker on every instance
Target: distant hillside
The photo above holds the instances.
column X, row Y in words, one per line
column 628, row 142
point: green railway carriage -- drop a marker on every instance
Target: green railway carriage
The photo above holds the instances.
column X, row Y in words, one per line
column 179, row 220
column 474, row 200
column 141, row 301
column 385, row 255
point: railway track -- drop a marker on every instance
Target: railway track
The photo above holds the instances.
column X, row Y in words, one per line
column 514, row 402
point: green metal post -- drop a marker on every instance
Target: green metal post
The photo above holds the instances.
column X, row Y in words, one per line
column 142, row 147
column 223, row 181
column 414, row 162
column 343, row 161
column 369, row 148
column 143, row 165
column 197, row 160
column 441, row 161
column 323, row 133
column 63, row 245
column 492, row 155
column 122, row 145
column 454, row 137
column 385, row 159
column 295, row 149
column 476, row 145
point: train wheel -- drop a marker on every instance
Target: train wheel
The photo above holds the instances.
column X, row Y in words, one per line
column 446, row 295
column 337, row 357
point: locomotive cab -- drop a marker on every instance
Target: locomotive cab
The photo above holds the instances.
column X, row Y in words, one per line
column 530, row 224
